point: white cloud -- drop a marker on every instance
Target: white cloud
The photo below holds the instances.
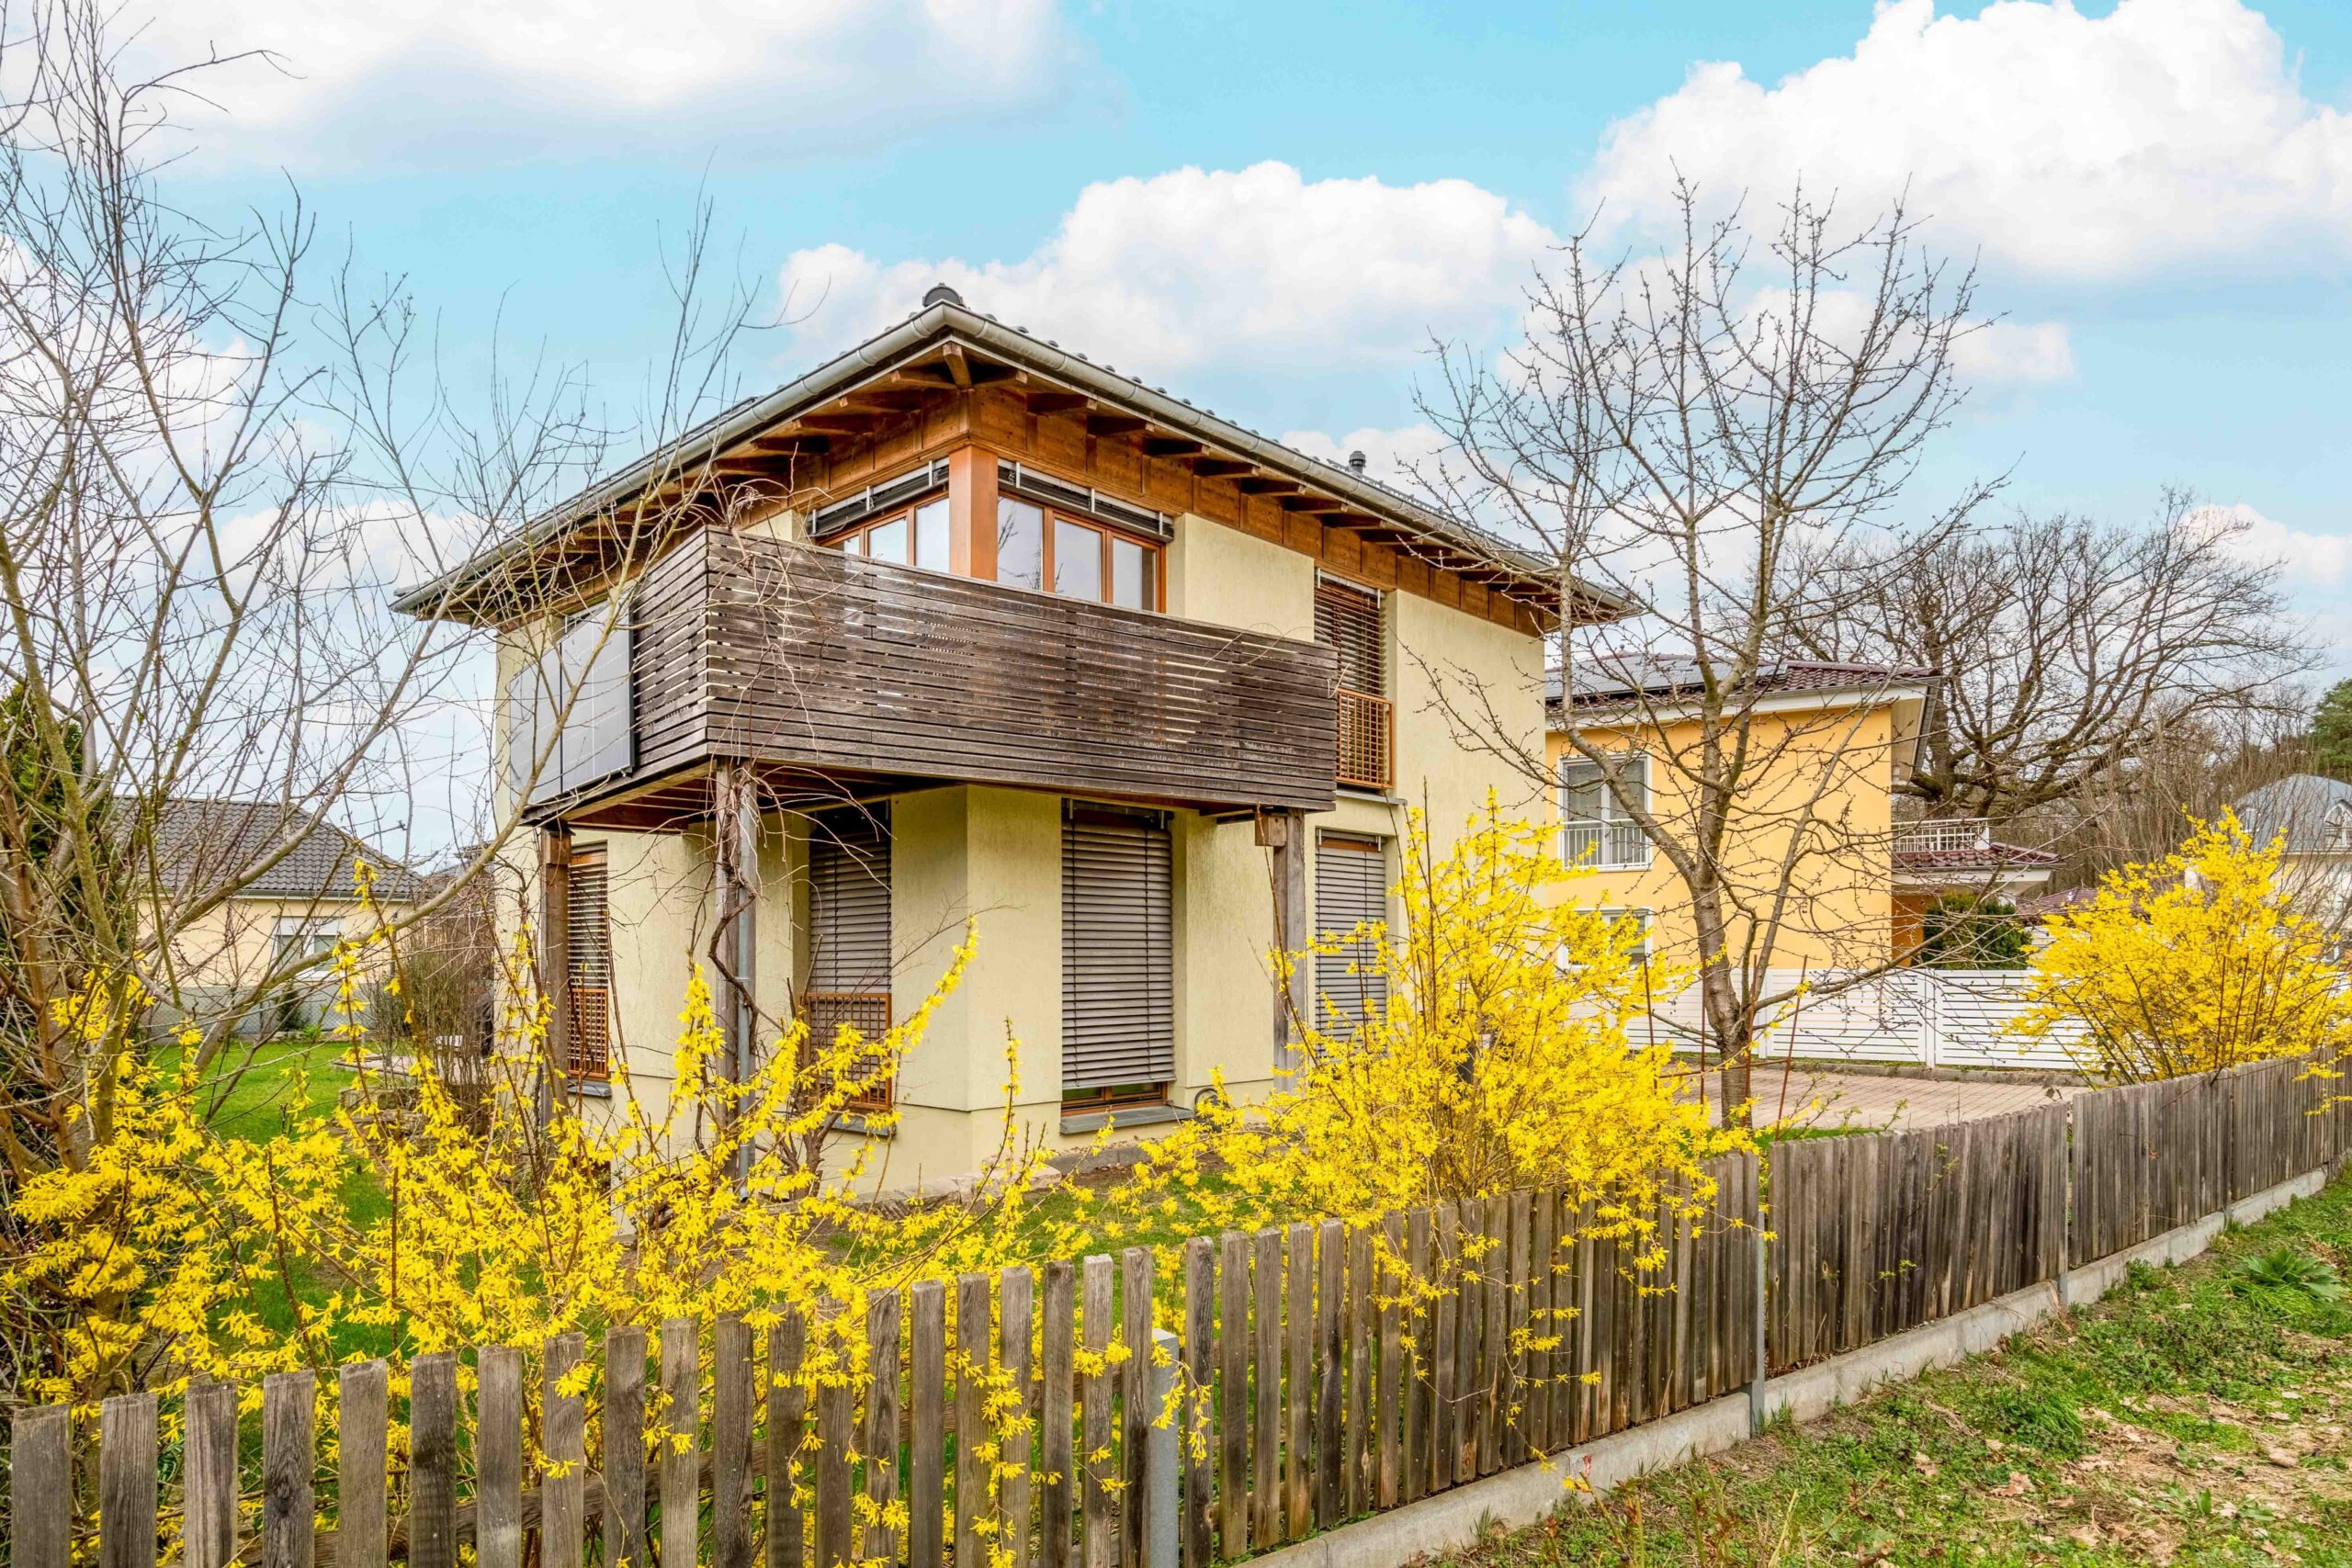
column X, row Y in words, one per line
column 2068, row 145
column 1195, row 266
column 1390, row 455
column 422, row 82
column 2314, row 560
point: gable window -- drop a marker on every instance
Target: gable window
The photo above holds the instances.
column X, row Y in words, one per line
column 1036, row 546
column 1595, row 827
column 1347, row 619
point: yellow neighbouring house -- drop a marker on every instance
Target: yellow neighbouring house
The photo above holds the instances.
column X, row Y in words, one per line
column 1826, row 744
column 294, row 893
column 964, row 625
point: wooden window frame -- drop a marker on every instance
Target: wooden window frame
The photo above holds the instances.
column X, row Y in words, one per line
column 1116, row 1097
column 1155, row 555
column 1367, row 750
column 906, row 514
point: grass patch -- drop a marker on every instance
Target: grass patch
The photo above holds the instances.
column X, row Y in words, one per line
column 2199, row 1414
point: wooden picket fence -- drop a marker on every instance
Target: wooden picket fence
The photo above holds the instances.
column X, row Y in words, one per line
column 1320, row 1373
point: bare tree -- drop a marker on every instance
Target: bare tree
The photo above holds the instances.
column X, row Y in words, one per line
column 217, row 462
column 1676, row 428
column 2074, row 654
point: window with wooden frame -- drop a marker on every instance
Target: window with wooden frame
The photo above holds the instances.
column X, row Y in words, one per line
column 917, row 536
column 1038, row 547
column 849, row 935
column 1347, row 619
column 588, row 940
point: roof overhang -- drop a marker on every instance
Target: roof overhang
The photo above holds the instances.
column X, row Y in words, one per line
column 975, row 347
column 1907, row 699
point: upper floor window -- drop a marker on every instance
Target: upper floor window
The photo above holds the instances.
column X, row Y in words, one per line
column 1038, row 547
column 915, row 538
column 1596, row 827
column 1347, row 619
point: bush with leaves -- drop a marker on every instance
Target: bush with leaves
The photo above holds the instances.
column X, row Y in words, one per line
column 2190, row 964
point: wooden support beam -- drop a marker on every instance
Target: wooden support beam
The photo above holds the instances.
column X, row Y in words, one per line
column 1221, row 467
column 959, row 368
column 1283, row 834
column 735, row 829
column 850, row 424
column 1167, row 446
column 1113, row 424
column 1265, row 484
column 1057, row 402
column 555, row 956
column 1312, row 503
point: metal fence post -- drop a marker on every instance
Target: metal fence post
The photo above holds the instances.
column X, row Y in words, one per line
column 1159, row 1456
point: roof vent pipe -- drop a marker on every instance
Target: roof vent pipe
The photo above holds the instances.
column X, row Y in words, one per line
column 940, row 294
column 1355, row 462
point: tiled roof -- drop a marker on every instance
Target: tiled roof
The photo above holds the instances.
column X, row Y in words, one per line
column 944, row 315
column 1613, row 685
column 208, row 841
column 2312, row 812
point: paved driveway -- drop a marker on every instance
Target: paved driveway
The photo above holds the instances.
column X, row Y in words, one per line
column 1866, row 1101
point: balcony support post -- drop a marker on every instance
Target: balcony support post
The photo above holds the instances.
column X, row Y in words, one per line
column 555, row 958
column 1283, row 834
column 735, row 829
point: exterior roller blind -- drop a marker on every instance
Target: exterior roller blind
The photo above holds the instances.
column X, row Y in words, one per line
column 1351, row 887
column 849, row 901
column 588, row 942
column 1347, row 619
column 1118, row 972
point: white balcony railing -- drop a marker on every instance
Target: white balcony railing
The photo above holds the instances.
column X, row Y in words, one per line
column 1605, row 846
column 1948, row 833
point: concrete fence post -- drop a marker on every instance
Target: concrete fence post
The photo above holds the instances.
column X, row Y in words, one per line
column 1159, row 1456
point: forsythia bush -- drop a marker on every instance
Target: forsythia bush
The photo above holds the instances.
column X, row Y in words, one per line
column 1501, row 1059
column 2191, row 963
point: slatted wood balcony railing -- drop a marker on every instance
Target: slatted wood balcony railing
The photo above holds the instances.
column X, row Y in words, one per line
column 1367, row 741
column 787, row 656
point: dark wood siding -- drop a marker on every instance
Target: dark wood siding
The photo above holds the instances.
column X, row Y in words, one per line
column 667, row 664
column 825, row 661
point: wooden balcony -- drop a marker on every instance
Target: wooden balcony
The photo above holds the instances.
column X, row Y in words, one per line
column 842, row 673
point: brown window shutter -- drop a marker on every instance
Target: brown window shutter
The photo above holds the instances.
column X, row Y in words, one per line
column 1347, row 619
column 1351, row 887
column 1118, row 965
column 589, row 942
column 849, row 919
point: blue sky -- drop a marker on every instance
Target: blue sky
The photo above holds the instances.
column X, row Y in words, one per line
column 1269, row 207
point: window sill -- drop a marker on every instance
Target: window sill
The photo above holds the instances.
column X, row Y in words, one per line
column 588, row 1088
column 851, row 1121
column 1125, row 1116
column 1357, row 791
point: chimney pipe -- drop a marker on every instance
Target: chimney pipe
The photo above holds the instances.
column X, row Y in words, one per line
column 1355, row 461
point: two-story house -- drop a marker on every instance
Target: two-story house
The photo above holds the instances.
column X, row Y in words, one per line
column 961, row 625
column 1814, row 840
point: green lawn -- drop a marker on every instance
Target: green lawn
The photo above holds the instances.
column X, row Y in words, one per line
column 254, row 1086
column 2198, row 1415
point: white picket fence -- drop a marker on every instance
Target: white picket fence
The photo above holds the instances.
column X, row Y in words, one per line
column 1930, row 1018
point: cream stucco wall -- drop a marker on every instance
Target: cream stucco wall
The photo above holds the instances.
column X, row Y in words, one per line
column 994, row 856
